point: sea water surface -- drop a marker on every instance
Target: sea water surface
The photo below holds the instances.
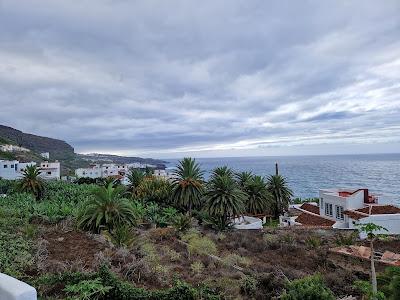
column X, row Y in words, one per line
column 307, row 174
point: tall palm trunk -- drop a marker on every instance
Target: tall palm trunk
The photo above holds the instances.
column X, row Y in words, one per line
column 373, row 272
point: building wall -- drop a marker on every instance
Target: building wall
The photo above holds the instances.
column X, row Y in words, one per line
column 88, row 172
column 390, row 222
column 8, row 169
column 50, row 171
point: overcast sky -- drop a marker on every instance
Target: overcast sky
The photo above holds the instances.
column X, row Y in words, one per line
column 203, row 78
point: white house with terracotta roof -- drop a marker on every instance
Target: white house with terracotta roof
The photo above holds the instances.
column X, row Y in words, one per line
column 345, row 209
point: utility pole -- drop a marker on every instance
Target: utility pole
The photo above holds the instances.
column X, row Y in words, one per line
column 276, row 169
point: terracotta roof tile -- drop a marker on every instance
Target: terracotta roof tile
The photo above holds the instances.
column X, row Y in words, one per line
column 380, row 210
column 354, row 214
column 311, row 208
column 313, row 220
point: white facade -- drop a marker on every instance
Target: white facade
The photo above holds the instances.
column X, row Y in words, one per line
column 114, row 170
column 45, row 155
column 333, row 202
column 93, row 171
column 13, row 289
column 13, row 169
column 50, row 170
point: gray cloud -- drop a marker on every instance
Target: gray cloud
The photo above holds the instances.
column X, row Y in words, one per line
column 220, row 77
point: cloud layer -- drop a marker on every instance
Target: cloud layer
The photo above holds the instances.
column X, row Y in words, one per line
column 211, row 77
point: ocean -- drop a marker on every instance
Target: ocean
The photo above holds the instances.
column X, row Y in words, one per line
column 380, row 173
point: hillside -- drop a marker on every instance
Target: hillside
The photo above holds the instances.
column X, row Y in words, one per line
column 59, row 150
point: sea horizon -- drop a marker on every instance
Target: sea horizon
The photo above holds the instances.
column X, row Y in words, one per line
column 306, row 174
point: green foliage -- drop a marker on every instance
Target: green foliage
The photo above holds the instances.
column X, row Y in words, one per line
column 388, row 282
column 106, row 210
column 188, row 184
column 182, row 223
column 7, row 186
column 370, row 229
column 236, row 259
column 365, row 288
column 304, row 200
column 313, row 242
column 312, row 288
column 345, row 239
column 154, row 189
column 197, row 267
column 121, row 236
column 87, row 289
column 243, row 178
column 224, row 198
column 248, row 285
column 258, row 197
column 201, row 245
column 281, row 194
column 219, row 223
column 7, row 155
column 16, row 248
column 31, row 182
column 135, row 177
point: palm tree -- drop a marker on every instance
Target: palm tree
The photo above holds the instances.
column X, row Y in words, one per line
column 221, row 171
column 31, row 182
column 259, row 199
column 243, row 178
column 280, row 192
column 135, row 178
column 188, row 184
column 107, row 209
column 224, row 198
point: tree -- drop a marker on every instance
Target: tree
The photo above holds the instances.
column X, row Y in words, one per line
column 31, row 182
column 224, row 198
column 135, row 178
column 155, row 189
column 259, row 198
column 149, row 171
column 243, row 178
column 281, row 194
column 221, row 171
column 188, row 184
column 370, row 229
column 106, row 210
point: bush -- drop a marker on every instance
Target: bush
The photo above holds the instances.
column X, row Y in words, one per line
column 197, row 267
column 248, row 285
column 311, row 287
column 313, row 242
column 346, row 239
column 235, row 259
column 201, row 246
column 182, row 223
column 88, row 289
column 121, row 236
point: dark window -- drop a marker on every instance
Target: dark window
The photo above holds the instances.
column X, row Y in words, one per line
column 5, row 166
column 49, row 173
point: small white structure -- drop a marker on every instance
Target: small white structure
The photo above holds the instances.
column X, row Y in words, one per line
column 13, row 289
column 247, row 223
column 113, row 170
column 50, row 170
column 45, row 155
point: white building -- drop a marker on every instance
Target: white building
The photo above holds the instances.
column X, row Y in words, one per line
column 45, row 155
column 13, row 148
column 94, row 171
column 346, row 208
column 114, row 170
column 13, row 169
column 50, row 170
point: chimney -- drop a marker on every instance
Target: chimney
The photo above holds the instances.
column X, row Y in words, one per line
column 366, row 198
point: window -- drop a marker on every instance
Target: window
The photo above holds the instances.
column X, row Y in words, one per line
column 49, row 173
column 5, row 166
column 339, row 212
column 328, row 209
column 12, row 166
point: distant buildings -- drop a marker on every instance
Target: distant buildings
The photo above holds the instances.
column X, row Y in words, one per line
column 345, row 209
column 13, row 148
column 13, row 169
column 119, row 171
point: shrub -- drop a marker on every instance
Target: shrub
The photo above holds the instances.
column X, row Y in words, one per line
column 366, row 290
column 311, row 287
column 87, row 289
column 272, row 241
column 159, row 234
column 172, row 254
column 345, row 239
column 313, row 242
column 248, row 285
column 202, row 246
column 121, row 236
column 182, row 222
column 234, row 259
column 197, row 267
